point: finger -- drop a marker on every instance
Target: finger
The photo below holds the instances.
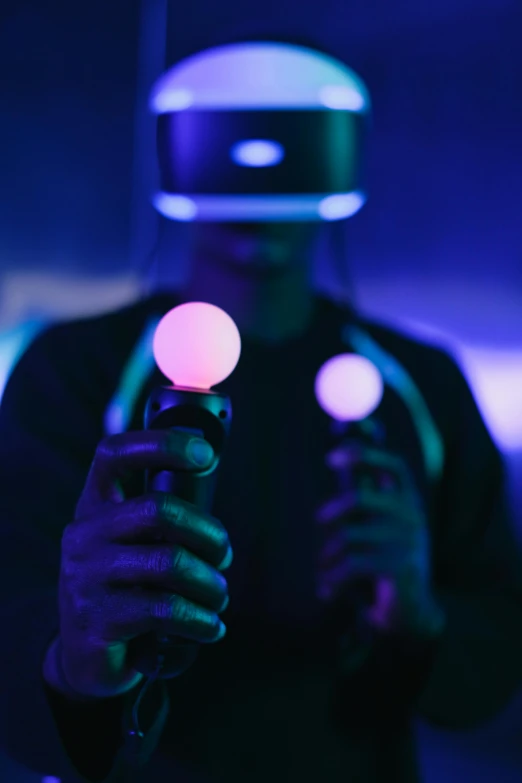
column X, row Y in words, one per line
column 391, row 467
column 171, row 569
column 136, row 612
column 137, row 451
column 392, row 470
column 364, row 502
column 351, row 539
column 341, row 578
column 359, row 566
column 161, row 517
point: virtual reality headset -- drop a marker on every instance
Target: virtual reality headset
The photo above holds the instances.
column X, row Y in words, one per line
column 260, row 132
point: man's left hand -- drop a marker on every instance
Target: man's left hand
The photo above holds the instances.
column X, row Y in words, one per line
column 378, row 532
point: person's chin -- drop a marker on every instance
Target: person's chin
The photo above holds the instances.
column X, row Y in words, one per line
column 254, row 265
column 260, row 267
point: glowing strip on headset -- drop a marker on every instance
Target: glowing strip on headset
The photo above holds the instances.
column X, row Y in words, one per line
column 334, row 206
column 334, row 96
column 396, row 376
column 141, row 365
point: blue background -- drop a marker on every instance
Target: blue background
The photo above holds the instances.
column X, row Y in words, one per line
column 438, row 248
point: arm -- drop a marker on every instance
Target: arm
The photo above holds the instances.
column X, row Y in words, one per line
column 477, row 666
column 466, row 673
column 50, row 423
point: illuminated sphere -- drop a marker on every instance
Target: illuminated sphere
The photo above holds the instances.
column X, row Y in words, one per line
column 196, row 345
column 348, row 387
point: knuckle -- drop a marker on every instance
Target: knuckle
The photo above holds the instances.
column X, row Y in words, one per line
column 178, row 514
column 105, row 449
column 72, row 543
column 69, row 572
column 81, row 609
column 173, row 442
column 153, row 505
column 176, row 610
column 221, row 538
column 172, row 611
column 169, row 509
column 180, row 610
column 162, row 610
column 162, row 561
column 219, row 530
column 221, row 591
column 177, row 560
column 112, row 448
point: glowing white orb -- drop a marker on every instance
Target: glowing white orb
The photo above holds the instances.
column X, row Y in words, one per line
column 175, row 206
column 257, row 152
column 348, row 387
column 342, row 205
column 196, row 345
column 173, row 100
column 337, row 96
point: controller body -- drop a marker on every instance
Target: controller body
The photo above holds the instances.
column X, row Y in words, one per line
column 208, row 415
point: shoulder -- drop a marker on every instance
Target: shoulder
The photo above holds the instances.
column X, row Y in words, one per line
column 432, row 363
column 96, row 338
column 408, row 347
column 436, row 370
column 421, row 357
column 117, row 326
column 84, row 354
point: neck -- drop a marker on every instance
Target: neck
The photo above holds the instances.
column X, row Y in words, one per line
column 267, row 307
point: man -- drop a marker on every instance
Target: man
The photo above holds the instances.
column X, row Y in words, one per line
column 281, row 677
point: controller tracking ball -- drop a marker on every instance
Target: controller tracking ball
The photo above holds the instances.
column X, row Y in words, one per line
column 196, row 345
column 348, row 387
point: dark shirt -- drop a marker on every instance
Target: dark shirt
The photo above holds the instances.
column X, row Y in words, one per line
column 273, row 700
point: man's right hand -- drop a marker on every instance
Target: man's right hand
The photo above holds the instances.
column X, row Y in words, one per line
column 134, row 566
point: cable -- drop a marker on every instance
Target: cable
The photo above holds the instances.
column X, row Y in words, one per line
column 134, row 737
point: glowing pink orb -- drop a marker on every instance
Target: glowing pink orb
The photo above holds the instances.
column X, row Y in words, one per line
column 196, row 345
column 348, row 387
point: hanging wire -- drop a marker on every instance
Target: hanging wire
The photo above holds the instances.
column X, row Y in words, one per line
column 342, row 289
column 135, row 737
column 147, row 685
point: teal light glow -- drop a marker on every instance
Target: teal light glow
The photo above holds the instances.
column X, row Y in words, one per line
column 398, row 378
column 140, row 366
column 13, row 343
